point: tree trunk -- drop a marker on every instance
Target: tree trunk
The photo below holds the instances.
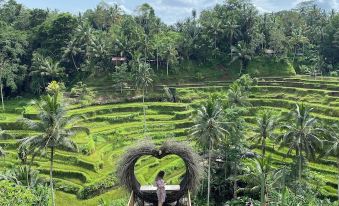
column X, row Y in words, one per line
column 263, row 177
column 299, row 162
column 157, row 59
column 225, row 165
column 74, row 62
column 262, row 189
column 241, row 65
column 209, row 174
column 231, row 45
column 144, row 108
column 235, row 185
column 2, row 96
column 51, row 175
column 167, row 67
column 263, row 147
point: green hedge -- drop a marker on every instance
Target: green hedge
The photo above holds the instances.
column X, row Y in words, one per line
column 98, row 187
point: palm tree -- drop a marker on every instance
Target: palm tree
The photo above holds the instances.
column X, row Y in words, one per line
column 46, row 69
column 333, row 133
column 170, row 56
column 209, row 130
column 265, row 126
column 55, row 127
column 72, row 50
column 236, row 96
column 301, row 134
column 143, row 77
column 232, row 31
column 243, row 52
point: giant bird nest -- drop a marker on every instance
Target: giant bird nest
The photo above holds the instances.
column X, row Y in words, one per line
column 190, row 180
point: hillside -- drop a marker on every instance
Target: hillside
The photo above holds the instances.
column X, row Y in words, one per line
column 89, row 175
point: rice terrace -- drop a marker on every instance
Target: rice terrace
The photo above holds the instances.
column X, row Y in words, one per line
column 124, row 104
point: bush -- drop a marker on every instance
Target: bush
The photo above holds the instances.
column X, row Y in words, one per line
column 98, row 188
column 12, row 194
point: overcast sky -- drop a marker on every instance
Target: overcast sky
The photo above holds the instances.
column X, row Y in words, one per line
column 170, row 11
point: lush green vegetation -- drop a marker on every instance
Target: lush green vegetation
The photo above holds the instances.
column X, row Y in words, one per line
column 272, row 139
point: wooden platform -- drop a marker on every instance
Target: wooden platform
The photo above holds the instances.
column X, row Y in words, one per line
column 151, row 188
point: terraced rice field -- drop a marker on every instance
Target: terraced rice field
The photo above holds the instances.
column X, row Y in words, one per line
column 85, row 177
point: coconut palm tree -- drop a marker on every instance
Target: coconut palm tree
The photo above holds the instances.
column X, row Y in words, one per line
column 266, row 123
column 55, row 127
column 236, row 96
column 232, row 31
column 72, row 50
column 243, row 52
column 301, row 134
column 333, row 133
column 171, row 57
column 45, row 69
column 209, row 130
column 143, row 78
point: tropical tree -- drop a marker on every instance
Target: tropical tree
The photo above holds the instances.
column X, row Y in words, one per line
column 208, row 129
column 121, row 77
column 242, row 52
column 170, row 56
column 7, row 77
column 301, row 134
column 232, row 31
column 143, row 78
column 83, row 93
column 72, row 50
column 237, row 96
column 265, row 126
column 55, row 127
column 266, row 123
column 333, row 145
column 44, row 70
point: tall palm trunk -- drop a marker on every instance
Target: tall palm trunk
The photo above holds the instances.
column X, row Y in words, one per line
column 299, row 162
column 262, row 189
column 241, row 66
column 2, row 96
column 209, row 173
column 51, row 175
column 76, row 67
column 157, row 59
column 144, row 108
column 263, row 177
column 167, row 64
column 231, row 45
column 235, row 184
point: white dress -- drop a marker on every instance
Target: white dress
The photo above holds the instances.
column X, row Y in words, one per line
column 161, row 192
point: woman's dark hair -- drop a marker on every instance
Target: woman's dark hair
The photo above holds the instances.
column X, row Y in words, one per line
column 160, row 175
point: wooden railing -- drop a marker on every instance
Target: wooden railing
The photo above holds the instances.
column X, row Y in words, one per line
column 187, row 202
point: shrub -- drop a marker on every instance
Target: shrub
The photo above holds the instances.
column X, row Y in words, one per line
column 12, row 194
column 98, row 188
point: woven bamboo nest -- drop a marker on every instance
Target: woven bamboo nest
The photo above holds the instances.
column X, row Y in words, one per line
column 190, row 181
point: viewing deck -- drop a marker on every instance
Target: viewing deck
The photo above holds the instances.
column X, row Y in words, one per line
column 185, row 201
